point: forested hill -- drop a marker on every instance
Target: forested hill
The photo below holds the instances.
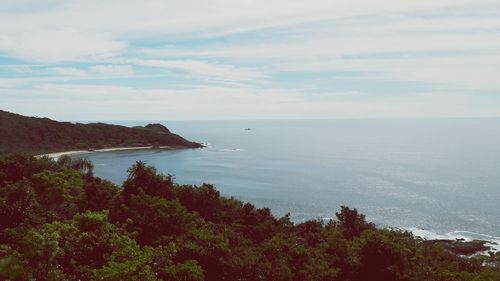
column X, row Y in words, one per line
column 60, row 222
column 41, row 135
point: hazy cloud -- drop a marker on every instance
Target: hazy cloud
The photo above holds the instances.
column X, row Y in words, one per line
column 255, row 59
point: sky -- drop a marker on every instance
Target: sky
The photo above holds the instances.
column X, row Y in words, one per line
column 250, row 59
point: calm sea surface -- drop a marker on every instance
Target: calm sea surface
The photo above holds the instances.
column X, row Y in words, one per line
column 434, row 177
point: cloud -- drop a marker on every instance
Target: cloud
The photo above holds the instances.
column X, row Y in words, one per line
column 256, row 58
column 96, row 29
column 94, row 72
column 69, row 71
column 454, row 51
column 57, row 45
column 222, row 102
column 21, row 68
column 112, row 70
column 203, row 69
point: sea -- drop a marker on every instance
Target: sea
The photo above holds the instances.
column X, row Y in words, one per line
column 439, row 178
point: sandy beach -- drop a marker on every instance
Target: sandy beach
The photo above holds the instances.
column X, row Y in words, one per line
column 56, row 155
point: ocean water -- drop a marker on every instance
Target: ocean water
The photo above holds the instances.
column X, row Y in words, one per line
column 435, row 177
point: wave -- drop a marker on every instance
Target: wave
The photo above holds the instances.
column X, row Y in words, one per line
column 229, row 149
column 491, row 241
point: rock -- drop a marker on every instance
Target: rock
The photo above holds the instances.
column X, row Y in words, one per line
column 461, row 247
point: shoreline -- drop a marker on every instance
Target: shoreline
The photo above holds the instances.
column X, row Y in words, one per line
column 464, row 243
column 55, row 155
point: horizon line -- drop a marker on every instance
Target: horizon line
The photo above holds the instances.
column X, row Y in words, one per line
column 287, row 119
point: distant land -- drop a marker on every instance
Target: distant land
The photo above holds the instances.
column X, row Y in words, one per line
column 42, row 135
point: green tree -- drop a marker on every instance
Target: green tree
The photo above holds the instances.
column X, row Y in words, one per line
column 13, row 265
column 352, row 222
column 142, row 176
column 59, row 192
column 83, row 165
column 42, row 250
column 99, row 194
column 151, row 217
column 18, row 205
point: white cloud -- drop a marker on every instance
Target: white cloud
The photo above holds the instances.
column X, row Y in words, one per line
column 471, row 72
column 95, row 71
column 69, row 71
column 222, row 72
column 449, row 44
column 109, row 102
column 55, row 44
column 21, row 68
column 96, row 29
column 113, row 70
column 452, row 52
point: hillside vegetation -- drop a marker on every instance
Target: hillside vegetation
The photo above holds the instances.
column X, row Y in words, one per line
column 59, row 222
column 41, row 135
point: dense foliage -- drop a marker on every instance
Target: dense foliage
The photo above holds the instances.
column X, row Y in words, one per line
column 59, row 222
column 39, row 135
